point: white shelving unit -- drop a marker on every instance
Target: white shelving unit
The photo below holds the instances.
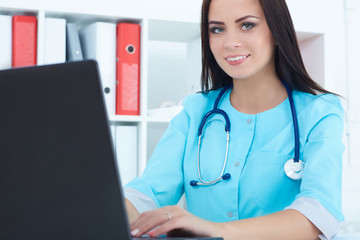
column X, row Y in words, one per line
column 165, row 58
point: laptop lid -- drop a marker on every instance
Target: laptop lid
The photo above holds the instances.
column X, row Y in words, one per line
column 58, row 176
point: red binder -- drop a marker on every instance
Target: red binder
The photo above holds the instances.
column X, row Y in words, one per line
column 24, row 41
column 128, row 69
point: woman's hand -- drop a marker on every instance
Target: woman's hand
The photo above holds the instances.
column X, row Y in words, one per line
column 173, row 220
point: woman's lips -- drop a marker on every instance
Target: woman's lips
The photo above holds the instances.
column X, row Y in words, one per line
column 237, row 59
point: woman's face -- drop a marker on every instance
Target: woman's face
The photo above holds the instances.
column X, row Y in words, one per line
column 240, row 38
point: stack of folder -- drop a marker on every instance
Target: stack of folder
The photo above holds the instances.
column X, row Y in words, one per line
column 19, row 41
column 115, row 46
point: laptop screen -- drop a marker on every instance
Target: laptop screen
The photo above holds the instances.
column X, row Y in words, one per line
column 58, row 176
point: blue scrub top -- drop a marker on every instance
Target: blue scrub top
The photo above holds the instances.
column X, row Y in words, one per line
column 260, row 144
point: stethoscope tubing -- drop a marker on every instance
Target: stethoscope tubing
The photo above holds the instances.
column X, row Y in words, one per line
column 295, row 122
column 216, row 110
column 288, row 167
column 202, row 182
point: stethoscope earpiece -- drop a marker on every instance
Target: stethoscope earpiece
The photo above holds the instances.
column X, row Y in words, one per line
column 226, row 176
column 193, row 183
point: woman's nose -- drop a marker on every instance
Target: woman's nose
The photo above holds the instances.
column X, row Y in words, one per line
column 232, row 41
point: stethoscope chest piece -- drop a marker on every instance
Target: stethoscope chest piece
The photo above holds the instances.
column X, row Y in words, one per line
column 294, row 170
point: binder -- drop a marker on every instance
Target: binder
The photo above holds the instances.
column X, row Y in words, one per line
column 128, row 69
column 126, row 152
column 24, row 40
column 55, row 40
column 5, row 41
column 73, row 46
column 98, row 42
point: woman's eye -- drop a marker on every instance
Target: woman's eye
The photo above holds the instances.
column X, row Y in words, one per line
column 247, row 26
column 216, row 30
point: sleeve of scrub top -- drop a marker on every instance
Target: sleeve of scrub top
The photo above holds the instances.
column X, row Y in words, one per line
column 162, row 179
column 318, row 215
column 140, row 201
column 322, row 177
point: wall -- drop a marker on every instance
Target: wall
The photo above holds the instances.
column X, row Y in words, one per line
column 351, row 183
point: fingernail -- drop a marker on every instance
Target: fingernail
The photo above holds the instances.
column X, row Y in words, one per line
column 133, row 233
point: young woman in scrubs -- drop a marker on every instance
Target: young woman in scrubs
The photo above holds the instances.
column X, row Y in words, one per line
column 252, row 45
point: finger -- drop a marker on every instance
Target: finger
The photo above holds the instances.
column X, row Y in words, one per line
column 143, row 217
column 148, row 221
column 145, row 222
column 146, row 217
column 168, row 211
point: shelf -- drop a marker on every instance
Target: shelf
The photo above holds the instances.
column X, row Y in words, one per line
column 158, row 119
column 123, row 118
column 138, row 119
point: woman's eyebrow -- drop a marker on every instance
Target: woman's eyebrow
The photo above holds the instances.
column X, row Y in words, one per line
column 236, row 21
column 216, row 22
column 245, row 17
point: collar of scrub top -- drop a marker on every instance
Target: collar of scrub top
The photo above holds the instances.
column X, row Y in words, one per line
column 293, row 168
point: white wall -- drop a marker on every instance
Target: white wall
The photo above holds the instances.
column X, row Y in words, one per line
column 184, row 10
column 352, row 161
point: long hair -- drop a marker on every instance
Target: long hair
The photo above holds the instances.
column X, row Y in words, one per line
column 288, row 61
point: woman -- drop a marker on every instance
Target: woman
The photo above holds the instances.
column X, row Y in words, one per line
column 252, row 65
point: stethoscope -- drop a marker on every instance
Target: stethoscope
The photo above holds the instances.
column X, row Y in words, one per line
column 293, row 168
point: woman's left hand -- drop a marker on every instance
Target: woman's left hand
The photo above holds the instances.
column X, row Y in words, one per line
column 171, row 219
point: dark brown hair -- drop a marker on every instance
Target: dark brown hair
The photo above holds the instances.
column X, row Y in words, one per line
column 288, row 61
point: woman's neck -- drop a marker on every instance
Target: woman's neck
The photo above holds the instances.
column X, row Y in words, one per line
column 257, row 95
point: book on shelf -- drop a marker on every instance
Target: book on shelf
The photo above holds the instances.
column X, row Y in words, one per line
column 24, row 40
column 98, row 41
column 128, row 69
column 126, row 152
column 5, row 41
column 55, row 40
column 73, row 46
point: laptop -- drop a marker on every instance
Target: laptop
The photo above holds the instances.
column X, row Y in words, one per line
column 58, row 174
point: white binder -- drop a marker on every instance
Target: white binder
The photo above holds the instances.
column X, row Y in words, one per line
column 5, row 41
column 98, row 42
column 55, row 40
column 126, row 152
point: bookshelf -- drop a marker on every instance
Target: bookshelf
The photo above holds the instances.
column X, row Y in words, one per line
column 170, row 52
